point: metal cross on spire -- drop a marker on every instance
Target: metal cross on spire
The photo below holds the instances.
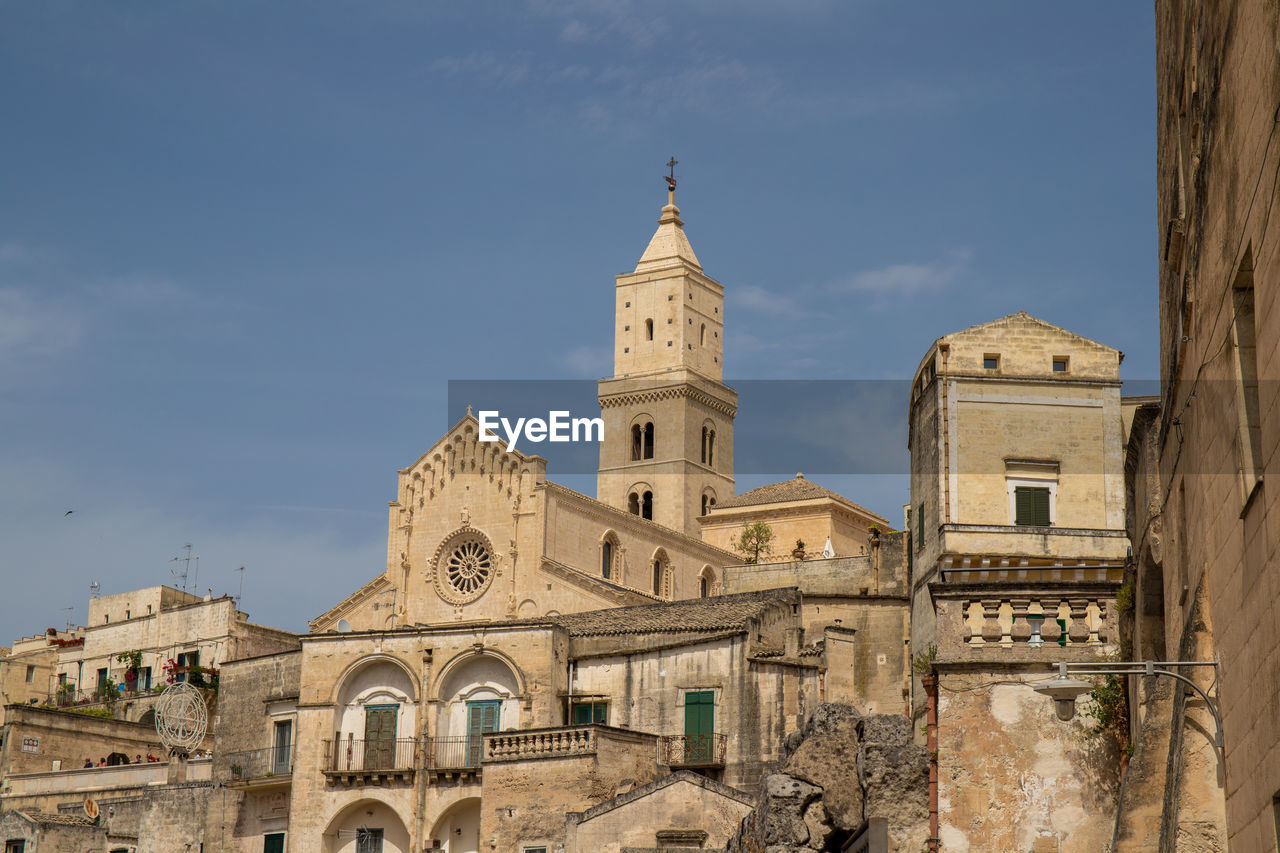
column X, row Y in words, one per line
column 671, row 178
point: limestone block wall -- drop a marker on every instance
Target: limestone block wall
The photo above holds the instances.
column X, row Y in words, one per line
column 682, row 810
column 576, row 527
column 27, row 672
column 1217, row 87
column 1010, row 772
column 525, row 801
column 37, row 737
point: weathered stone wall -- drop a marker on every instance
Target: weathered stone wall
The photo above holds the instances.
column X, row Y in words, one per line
column 843, row 770
column 69, row 738
column 1217, row 84
column 27, row 671
column 1010, row 772
column 680, row 810
column 525, row 801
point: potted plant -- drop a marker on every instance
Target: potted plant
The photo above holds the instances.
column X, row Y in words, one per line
column 798, row 552
column 133, row 665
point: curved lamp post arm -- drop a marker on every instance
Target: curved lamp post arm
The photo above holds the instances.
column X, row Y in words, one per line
column 1151, row 668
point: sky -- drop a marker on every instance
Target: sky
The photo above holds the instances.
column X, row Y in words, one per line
column 246, row 246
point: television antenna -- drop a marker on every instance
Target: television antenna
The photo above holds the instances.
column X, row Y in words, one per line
column 71, row 622
column 185, row 560
column 95, row 589
column 241, row 590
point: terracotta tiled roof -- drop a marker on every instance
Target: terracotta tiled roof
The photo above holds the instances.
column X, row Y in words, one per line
column 725, row 612
column 795, row 489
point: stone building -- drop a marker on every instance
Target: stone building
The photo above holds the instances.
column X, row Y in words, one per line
column 797, row 511
column 1017, row 529
column 28, row 668
column 530, row 653
column 1207, row 583
column 173, row 632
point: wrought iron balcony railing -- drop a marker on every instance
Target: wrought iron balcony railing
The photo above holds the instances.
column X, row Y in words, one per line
column 453, row 753
column 692, row 750
column 256, row 764
column 348, row 755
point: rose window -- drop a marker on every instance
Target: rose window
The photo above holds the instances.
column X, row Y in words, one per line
column 468, row 568
column 464, row 566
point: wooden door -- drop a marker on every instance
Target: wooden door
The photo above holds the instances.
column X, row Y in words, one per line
column 380, row 736
column 699, row 726
column 481, row 717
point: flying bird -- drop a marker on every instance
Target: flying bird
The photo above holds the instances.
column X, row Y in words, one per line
column 68, row 512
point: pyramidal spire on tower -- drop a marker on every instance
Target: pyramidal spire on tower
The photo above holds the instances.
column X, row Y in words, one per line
column 669, row 241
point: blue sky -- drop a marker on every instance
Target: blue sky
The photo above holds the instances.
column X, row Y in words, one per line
column 244, row 246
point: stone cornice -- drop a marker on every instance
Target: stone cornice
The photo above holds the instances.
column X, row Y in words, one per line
column 672, row 392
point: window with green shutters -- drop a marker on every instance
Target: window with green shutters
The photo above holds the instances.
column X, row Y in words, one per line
column 273, row 842
column 482, row 717
column 920, row 526
column 1031, row 506
column 585, row 713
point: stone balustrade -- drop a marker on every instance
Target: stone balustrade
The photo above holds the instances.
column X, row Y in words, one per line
column 541, row 743
column 981, row 621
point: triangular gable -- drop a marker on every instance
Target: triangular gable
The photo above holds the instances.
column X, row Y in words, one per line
column 1028, row 321
column 711, row 786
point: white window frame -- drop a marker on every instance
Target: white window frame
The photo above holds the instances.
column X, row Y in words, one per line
column 1012, row 483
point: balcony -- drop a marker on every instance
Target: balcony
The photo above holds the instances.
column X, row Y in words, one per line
column 692, row 751
column 260, row 768
column 1014, row 623
column 453, row 758
column 359, row 762
column 536, row 744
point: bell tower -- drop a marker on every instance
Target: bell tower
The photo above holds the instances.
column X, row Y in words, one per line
column 667, row 452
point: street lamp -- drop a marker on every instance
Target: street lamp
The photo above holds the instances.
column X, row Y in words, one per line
column 1064, row 690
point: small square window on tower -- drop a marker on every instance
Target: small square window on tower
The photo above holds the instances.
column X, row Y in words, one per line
column 671, row 297
column 669, row 321
column 626, row 349
column 628, row 304
column 668, row 343
column 991, row 361
column 626, row 328
column 1060, row 364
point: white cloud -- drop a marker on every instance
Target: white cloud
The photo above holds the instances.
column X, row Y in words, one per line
column 908, row 279
column 486, row 67
column 32, row 326
column 588, row 361
column 754, row 298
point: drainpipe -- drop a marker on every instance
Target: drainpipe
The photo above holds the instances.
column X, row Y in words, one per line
column 931, row 743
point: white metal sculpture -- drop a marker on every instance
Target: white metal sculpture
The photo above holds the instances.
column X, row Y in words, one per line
column 182, row 718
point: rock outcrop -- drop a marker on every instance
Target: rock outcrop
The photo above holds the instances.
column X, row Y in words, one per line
column 841, row 771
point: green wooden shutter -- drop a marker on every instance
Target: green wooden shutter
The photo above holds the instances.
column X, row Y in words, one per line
column 920, row 525
column 481, row 717
column 273, row 842
column 379, row 736
column 1031, row 506
column 699, row 726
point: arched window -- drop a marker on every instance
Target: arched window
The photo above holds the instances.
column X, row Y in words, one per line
column 648, row 440
column 707, row 582
column 637, row 442
column 704, row 450
column 648, row 330
column 608, row 554
column 711, row 447
column 702, row 335
column 633, row 503
column 704, row 505
column 646, row 506
column 661, row 574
